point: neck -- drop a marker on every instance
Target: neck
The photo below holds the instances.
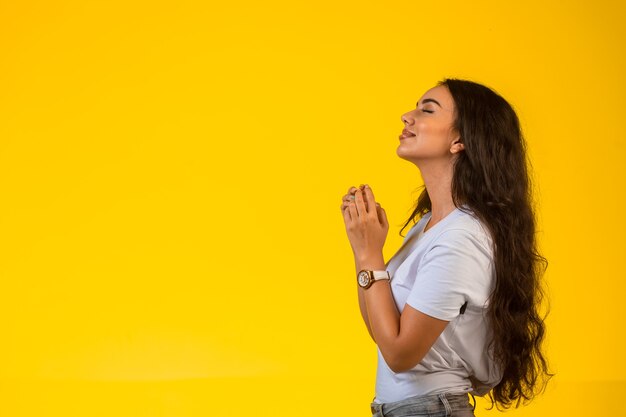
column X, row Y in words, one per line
column 438, row 181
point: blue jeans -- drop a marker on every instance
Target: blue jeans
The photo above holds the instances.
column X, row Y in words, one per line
column 435, row 405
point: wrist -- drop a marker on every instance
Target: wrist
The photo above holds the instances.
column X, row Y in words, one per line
column 373, row 262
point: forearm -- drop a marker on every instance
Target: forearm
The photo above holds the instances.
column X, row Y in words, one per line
column 384, row 318
column 363, row 309
column 382, row 313
column 362, row 305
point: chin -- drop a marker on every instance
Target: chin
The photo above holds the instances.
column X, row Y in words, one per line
column 402, row 153
column 407, row 157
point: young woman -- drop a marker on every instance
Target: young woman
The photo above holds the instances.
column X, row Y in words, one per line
column 456, row 310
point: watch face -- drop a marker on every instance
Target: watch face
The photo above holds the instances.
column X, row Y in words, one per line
column 364, row 279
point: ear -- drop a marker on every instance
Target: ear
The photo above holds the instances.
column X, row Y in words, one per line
column 457, row 146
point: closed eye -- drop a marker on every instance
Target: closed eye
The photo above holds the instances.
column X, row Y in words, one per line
column 427, row 111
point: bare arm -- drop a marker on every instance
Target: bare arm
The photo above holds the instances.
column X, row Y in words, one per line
column 362, row 305
column 358, row 266
column 403, row 339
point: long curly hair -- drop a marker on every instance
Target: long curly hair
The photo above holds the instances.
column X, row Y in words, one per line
column 491, row 176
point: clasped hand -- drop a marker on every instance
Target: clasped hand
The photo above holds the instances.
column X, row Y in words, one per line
column 366, row 222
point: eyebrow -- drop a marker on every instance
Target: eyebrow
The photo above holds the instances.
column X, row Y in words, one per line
column 426, row 100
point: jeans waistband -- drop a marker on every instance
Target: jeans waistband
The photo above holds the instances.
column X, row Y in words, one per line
column 446, row 401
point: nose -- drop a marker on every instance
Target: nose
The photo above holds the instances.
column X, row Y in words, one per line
column 405, row 119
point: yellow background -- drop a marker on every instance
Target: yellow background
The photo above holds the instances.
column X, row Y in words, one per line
column 171, row 175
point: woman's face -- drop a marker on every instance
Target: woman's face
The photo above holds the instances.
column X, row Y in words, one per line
column 431, row 123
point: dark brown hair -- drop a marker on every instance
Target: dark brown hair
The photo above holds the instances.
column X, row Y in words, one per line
column 491, row 176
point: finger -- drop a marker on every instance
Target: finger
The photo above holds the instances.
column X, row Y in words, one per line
column 346, row 215
column 367, row 187
column 346, row 200
column 350, row 195
column 360, row 203
column 352, row 210
column 379, row 213
column 365, row 201
column 369, row 197
column 382, row 216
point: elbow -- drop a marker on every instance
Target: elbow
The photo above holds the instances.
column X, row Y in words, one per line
column 401, row 363
column 398, row 367
column 395, row 369
column 397, row 364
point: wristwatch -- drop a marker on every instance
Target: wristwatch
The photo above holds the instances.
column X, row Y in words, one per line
column 366, row 278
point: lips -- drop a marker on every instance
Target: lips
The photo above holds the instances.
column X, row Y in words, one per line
column 406, row 134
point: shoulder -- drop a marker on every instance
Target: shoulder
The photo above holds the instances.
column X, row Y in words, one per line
column 458, row 262
column 465, row 228
column 456, row 268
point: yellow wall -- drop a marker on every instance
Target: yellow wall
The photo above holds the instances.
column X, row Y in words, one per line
column 171, row 175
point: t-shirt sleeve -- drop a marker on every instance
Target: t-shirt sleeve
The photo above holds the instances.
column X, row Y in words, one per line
column 448, row 273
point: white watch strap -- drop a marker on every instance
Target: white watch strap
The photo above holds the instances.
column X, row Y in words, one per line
column 381, row 275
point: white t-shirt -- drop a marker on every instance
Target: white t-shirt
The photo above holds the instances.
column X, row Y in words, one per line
column 436, row 272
